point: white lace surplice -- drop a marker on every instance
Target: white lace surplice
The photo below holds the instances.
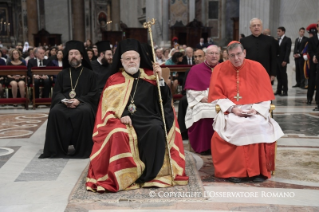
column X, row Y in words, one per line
column 239, row 131
column 197, row 110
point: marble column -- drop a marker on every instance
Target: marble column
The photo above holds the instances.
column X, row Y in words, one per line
column 78, row 19
column 165, row 21
column 191, row 10
column 116, row 14
column 154, row 10
column 32, row 14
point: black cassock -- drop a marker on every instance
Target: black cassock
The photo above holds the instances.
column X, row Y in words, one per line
column 148, row 124
column 71, row 126
column 103, row 72
column 263, row 49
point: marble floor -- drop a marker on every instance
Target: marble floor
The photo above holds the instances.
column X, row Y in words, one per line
column 29, row 184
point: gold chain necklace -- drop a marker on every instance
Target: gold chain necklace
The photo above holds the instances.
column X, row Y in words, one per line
column 132, row 107
column 72, row 93
column 238, row 97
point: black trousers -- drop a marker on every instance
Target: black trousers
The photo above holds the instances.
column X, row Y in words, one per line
column 46, row 87
column 313, row 82
column 182, row 108
column 282, row 78
column 300, row 77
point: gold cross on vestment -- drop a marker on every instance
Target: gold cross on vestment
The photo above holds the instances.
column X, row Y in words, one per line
column 238, row 97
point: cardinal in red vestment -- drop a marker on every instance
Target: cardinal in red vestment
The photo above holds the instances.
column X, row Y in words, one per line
column 130, row 149
column 243, row 145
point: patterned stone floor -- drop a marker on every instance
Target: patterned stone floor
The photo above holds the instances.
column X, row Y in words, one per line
column 29, row 184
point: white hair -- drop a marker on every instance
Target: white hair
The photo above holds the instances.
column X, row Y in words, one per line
column 254, row 19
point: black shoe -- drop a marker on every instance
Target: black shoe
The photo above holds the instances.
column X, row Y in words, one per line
column 258, row 179
column 316, row 108
column 308, row 102
column 208, row 152
column 284, row 94
column 235, row 180
column 277, row 93
column 295, row 86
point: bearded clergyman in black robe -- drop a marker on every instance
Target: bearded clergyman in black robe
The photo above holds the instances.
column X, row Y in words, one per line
column 130, row 147
column 101, row 66
column 73, row 108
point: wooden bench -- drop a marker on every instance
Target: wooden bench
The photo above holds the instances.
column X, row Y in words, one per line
column 50, row 70
column 176, row 68
column 15, row 70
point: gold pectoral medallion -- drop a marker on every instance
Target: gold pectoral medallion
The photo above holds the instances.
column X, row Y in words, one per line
column 72, row 94
column 132, row 108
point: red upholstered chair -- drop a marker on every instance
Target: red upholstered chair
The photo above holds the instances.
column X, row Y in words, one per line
column 14, row 70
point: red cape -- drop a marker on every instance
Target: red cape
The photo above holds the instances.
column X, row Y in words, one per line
column 254, row 83
column 114, row 162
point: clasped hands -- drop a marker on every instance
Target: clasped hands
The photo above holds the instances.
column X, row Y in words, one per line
column 73, row 103
column 243, row 113
column 40, row 77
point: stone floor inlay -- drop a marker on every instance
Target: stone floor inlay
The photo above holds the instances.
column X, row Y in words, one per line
column 20, row 125
column 42, row 169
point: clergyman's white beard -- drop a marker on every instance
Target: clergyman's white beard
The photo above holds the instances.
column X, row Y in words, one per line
column 130, row 70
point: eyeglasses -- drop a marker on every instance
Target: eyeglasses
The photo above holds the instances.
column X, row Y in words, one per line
column 128, row 59
column 234, row 55
column 213, row 53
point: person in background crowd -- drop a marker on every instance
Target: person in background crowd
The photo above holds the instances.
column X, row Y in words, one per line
column 313, row 51
column 300, row 43
column 2, row 63
column 89, row 44
column 266, row 32
column 188, row 59
column 201, row 44
column 58, row 61
column 16, row 80
column 283, row 60
column 90, row 54
column 30, row 55
column 166, row 54
column 42, row 80
column 26, row 47
column 261, row 48
column 159, row 56
column 95, row 52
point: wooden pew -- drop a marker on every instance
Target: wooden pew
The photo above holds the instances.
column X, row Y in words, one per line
column 179, row 69
column 15, row 70
column 50, row 70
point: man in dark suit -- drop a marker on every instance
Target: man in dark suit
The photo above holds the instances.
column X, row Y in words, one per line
column 188, row 59
column 300, row 43
column 261, row 48
column 313, row 50
column 39, row 80
column 283, row 60
column 201, row 44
